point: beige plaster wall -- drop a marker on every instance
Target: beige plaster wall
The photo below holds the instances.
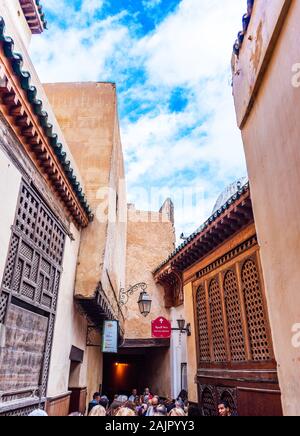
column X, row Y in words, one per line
column 10, row 180
column 150, row 239
column 271, row 139
column 114, row 269
column 191, row 342
column 87, row 113
column 95, row 370
column 262, row 33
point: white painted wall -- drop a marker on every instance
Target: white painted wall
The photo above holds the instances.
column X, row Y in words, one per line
column 178, row 351
column 13, row 8
column 10, row 180
column 70, row 326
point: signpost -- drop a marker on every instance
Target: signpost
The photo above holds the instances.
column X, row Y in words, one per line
column 110, row 337
column 161, row 328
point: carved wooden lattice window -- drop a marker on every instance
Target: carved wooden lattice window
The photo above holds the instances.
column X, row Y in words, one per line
column 217, row 322
column 234, row 318
column 36, row 252
column 202, row 325
column 257, row 323
column 208, row 403
column 33, row 268
column 3, row 304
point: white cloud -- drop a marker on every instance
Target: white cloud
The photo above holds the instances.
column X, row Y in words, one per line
column 191, row 48
column 150, row 4
column 90, row 7
column 79, row 52
column 87, row 7
column 196, row 41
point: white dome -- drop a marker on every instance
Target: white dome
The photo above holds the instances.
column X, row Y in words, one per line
column 232, row 189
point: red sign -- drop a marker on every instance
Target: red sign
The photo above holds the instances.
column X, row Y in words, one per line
column 161, row 328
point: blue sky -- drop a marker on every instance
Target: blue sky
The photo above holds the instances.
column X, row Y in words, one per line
column 170, row 60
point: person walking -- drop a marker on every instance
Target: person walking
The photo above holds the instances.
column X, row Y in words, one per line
column 177, row 411
column 170, row 404
column 97, row 411
column 104, row 402
column 183, row 396
column 152, row 406
column 141, row 410
column 95, row 401
column 161, row 410
column 194, row 411
column 147, row 395
column 125, row 411
column 133, row 396
column 38, row 412
column 224, row 409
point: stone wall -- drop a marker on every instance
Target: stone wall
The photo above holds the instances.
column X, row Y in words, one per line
column 87, row 114
column 150, row 240
column 21, row 357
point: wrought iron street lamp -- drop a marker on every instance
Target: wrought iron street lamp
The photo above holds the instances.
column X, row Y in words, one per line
column 182, row 328
column 144, row 304
column 144, row 300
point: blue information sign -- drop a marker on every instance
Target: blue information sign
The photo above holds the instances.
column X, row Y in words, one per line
column 110, row 337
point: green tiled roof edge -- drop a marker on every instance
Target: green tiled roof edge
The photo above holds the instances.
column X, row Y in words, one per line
column 41, row 12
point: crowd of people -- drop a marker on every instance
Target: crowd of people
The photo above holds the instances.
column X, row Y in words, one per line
column 150, row 405
column 146, row 404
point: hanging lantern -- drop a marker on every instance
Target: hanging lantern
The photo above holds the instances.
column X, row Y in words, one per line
column 144, row 304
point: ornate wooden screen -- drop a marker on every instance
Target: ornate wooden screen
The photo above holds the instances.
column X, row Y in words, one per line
column 208, row 403
column 256, row 317
column 204, row 351
column 241, row 313
column 234, row 318
column 3, row 305
column 29, row 292
column 235, row 355
column 218, row 338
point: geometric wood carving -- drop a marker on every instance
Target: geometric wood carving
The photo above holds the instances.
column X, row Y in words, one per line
column 30, row 285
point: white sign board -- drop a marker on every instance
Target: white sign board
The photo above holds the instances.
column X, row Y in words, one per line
column 110, row 337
